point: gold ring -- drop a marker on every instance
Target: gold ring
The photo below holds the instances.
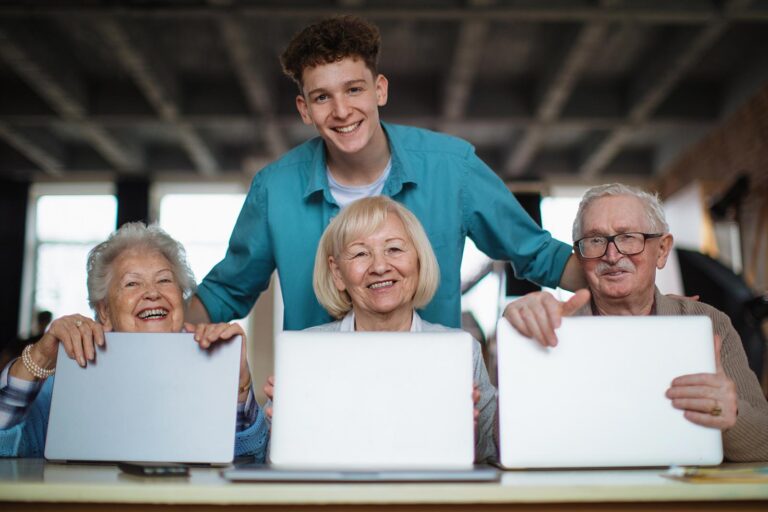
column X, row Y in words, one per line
column 716, row 411
column 78, row 322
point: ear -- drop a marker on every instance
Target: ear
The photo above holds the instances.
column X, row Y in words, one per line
column 665, row 246
column 103, row 313
column 382, row 88
column 303, row 108
column 336, row 274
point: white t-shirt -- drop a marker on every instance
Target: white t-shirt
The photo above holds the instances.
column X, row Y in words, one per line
column 344, row 194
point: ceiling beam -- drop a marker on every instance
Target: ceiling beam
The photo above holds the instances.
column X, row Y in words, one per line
column 557, row 91
column 250, row 72
column 34, row 60
column 670, row 14
column 160, row 89
column 461, row 77
column 46, row 158
column 655, row 83
column 468, row 124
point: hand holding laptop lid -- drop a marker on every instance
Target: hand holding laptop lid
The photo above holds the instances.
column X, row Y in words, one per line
column 621, row 238
column 138, row 281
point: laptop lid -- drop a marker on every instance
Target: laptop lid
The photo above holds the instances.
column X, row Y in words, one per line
column 147, row 397
column 598, row 398
column 373, row 401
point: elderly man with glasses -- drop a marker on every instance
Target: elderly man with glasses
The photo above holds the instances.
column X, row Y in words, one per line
column 621, row 238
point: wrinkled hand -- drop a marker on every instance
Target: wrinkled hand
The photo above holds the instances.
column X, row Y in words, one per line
column 209, row 334
column 77, row 333
column 538, row 314
column 708, row 399
column 269, row 392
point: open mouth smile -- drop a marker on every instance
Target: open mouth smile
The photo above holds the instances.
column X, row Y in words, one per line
column 348, row 129
column 153, row 314
column 381, row 284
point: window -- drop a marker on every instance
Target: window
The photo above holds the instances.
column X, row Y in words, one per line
column 203, row 224
column 201, row 217
column 557, row 215
column 483, row 298
column 65, row 222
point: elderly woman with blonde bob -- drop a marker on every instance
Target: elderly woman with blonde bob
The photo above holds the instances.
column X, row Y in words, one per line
column 138, row 281
column 374, row 267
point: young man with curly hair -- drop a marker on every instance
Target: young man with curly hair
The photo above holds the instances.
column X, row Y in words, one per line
column 438, row 177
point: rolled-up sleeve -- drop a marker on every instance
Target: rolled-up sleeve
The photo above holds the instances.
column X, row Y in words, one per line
column 502, row 229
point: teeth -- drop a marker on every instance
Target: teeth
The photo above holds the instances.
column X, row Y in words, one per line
column 348, row 129
column 153, row 313
column 381, row 284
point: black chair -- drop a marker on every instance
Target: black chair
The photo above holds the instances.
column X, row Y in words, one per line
column 718, row 286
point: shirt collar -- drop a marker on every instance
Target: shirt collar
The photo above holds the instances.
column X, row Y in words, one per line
column 348, row 323
column 399, row 175
column 596, row 312
column 316, row 178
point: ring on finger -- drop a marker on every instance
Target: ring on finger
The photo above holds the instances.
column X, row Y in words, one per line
column 78, row 322
column 716, row 410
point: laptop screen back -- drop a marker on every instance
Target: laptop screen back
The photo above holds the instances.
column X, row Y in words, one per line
column 373, row 401
column 147, row 397
column 598, row 398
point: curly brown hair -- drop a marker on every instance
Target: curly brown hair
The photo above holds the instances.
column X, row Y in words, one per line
column 331, row 40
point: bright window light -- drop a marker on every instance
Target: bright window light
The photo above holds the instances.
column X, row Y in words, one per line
column 203, row 224
column 66, row 228
column 472, row 262
column 557, row 214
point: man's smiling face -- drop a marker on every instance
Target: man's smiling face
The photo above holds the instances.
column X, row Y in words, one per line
column 341, row 100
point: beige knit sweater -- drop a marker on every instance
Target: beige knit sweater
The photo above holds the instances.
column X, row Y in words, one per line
column 747, row 441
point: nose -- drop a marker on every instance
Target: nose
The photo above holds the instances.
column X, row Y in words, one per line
column 151, row 292
column 340, row 108
column 380, row 265
column 612, row 253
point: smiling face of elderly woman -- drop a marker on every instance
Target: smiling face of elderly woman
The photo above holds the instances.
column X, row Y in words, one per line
column 379, row 271
column 143, row 294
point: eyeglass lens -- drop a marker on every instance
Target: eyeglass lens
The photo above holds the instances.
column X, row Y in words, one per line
column 626, row 243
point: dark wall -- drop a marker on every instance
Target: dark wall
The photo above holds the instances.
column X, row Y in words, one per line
column 13, row 210
column 132, row 201
column 531, row 203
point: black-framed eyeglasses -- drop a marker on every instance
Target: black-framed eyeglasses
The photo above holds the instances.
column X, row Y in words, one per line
column 628, row 244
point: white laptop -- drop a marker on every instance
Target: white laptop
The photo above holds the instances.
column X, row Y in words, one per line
column 371, row 407
column 147, row 397
column 598, row 398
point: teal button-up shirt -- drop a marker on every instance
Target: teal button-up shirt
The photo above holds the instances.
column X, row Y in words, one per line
column 438, row 177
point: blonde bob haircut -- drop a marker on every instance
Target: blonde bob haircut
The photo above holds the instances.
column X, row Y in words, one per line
column 363, row 218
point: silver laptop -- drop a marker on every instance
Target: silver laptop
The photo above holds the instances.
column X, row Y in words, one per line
column 598, row 398
column 371, row 407
column 147, row 397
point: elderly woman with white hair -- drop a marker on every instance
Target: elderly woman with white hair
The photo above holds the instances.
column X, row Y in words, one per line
column 373, row 268
column 138, row 281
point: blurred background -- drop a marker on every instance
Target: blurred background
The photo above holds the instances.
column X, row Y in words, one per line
column 164, row 110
